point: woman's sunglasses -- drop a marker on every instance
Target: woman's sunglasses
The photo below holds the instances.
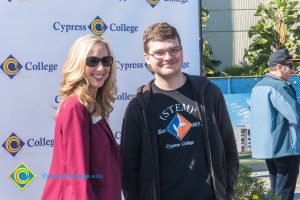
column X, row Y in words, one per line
column 93, row 61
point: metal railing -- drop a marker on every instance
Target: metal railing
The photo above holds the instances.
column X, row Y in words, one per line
column 239, row 85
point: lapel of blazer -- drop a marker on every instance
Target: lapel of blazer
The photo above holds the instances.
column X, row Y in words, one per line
column 108, row 131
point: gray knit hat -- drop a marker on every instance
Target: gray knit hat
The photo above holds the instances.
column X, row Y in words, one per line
column 279, row 57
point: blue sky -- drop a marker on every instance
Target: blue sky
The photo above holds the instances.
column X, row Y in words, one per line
column 238, row 108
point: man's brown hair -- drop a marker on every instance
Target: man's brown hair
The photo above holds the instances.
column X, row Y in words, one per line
column 159, row 32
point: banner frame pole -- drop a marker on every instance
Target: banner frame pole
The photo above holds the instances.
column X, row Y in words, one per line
column 200, row 37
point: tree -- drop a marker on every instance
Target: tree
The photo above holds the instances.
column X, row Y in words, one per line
column 277, row 28
column 209, row 65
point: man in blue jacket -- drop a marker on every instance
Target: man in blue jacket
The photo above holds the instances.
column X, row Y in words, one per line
column 275, row 124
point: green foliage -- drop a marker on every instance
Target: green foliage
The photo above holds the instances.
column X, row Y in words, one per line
column 251, row 188
column 238, row 70
column 209, row 64
column 276, row 29
column 244, row 155
column 204, row 16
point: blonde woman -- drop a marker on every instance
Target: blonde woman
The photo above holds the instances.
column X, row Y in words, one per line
column 86, row 159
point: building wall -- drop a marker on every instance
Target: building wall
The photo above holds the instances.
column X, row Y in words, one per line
column 227, row 30
column 242, row 138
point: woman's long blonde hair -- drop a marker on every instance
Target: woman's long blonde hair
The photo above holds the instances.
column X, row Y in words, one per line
column 74, row 80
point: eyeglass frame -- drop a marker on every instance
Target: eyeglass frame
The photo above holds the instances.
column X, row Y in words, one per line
column 169, row 51
column 88, row 61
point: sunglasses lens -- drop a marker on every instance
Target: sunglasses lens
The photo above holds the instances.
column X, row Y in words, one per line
column 107, row 61
column 289, row 65
column 92, row 61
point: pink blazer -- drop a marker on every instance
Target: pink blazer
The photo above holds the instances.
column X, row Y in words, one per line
column 86, row 159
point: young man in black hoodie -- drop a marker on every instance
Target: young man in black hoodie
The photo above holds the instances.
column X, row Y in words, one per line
column 177, row 139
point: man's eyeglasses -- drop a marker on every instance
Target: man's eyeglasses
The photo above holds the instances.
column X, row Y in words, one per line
column 162, row 53
column 93, row 61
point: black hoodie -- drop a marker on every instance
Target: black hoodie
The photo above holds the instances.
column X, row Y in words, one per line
column 140, row 149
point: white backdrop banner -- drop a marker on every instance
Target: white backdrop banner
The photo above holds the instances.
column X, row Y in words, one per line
column 35, row 38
